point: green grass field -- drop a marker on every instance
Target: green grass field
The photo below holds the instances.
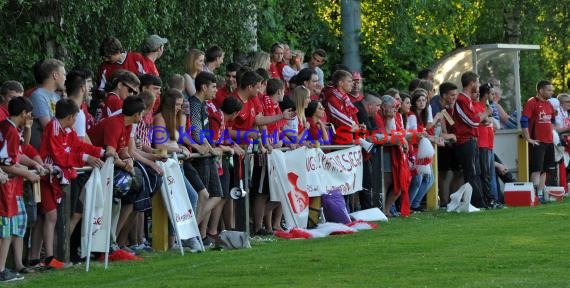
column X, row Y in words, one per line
column 513, row 247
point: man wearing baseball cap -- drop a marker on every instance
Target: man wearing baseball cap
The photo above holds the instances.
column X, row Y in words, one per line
column 152, row 48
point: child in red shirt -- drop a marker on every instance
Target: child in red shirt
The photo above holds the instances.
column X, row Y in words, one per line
column 62, row 148
column 20, row 111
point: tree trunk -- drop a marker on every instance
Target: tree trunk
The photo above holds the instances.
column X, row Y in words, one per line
column 512, row 21
column 351, row 24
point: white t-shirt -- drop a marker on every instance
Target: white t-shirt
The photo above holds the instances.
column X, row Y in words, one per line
column 81, row 124
column 293, row 124
column 288, row 73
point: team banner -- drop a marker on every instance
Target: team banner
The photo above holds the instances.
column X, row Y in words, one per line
column 97, row 204
column 177, row 202
column 302, row 173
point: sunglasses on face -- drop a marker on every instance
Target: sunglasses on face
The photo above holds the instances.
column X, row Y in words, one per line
column 131, row 89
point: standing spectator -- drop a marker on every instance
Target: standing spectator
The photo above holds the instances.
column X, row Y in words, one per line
column 318, row 58
column 563, row 126
column 218, row 117
column 309, row 78
column 206, row 167
column 9, row 90
column 340, row 110
column 170, row 117
column 62, row 148
column 367, row 109
column 230, row 87
column 417, row 121
column 19, row 111
column 485, row 144
column 276, row 68
column 152, row 49
column 394, row 161
column 426, row 74
column 465, row 129
column 52, row 72
column 301, row 99
column 115, row 58
column 261, row 60
column 355, row 93
column 536, row 122
column 264, row 209
column 214, row 59
column 193, row 64
column 114, row 134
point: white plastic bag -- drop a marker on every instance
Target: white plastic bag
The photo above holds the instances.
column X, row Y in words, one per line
column 425, row 156
column 372, row 214
column 461, row 200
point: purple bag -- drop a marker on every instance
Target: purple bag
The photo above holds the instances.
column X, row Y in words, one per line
column 334, row 207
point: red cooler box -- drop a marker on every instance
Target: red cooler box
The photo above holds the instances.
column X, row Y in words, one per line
column 520, row 194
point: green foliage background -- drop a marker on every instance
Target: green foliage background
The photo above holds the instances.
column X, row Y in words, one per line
column 398, row 38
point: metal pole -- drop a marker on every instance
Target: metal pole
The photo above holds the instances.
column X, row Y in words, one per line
column 246, row 175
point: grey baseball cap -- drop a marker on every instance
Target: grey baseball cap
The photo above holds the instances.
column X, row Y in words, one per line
column 152, row 43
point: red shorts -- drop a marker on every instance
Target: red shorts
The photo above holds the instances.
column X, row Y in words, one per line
column 51, row 194
column 8, row 203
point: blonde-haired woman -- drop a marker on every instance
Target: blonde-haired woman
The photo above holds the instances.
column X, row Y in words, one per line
column 261, row 60
column 193, row 64
column 301, row 99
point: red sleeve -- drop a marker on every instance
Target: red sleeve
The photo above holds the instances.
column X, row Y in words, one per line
column 13, row 146
column 29, row 151
column 53, row 147
column 465, row 111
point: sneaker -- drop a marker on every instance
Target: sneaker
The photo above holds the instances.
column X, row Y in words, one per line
column 9, row 276
column 55, row 264
column 208, row 242
column 141, row 248
column 128, row 250
column 193, row 244
column 121, row 255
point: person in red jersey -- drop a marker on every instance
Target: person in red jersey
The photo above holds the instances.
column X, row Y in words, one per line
column 152, row 49
column 64, row 150
column 465, row 130
column 214, row 59
column 19, row 111
column 276, row 68
column 485, row 143
column 123, row 84
column 536, row 123
column 115, row 59
column 231, row 85
column 114, row 134
column 340, row 110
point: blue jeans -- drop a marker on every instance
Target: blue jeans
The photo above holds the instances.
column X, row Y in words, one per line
column 418, row 188
column 493, row 174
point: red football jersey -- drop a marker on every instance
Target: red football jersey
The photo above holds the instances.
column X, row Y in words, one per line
column 540, row 115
